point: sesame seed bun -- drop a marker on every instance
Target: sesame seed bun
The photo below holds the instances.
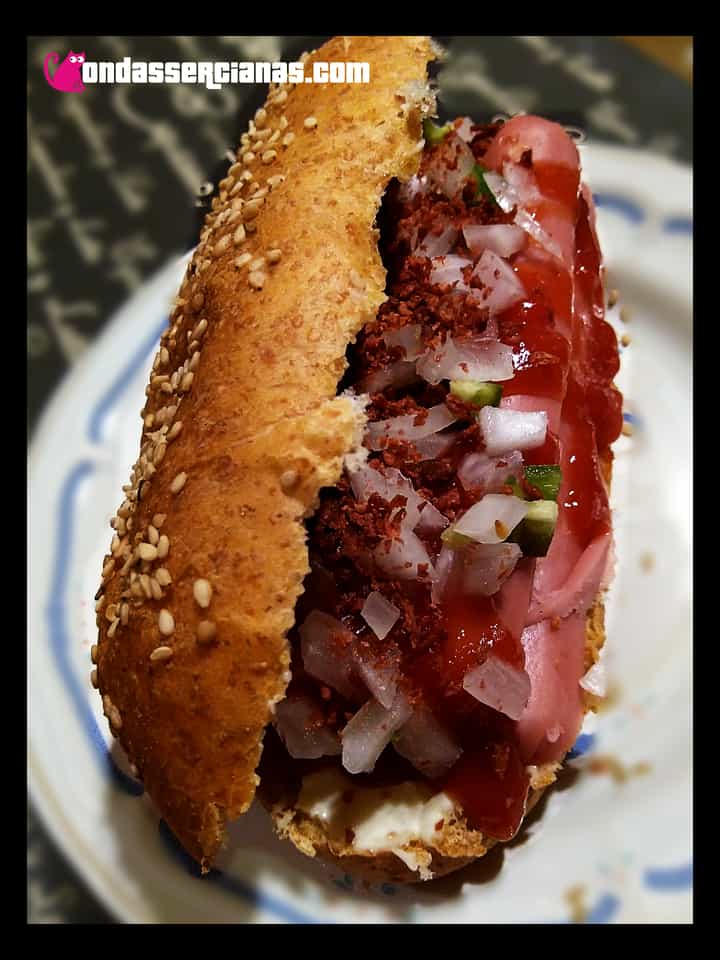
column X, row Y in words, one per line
column 241, row 429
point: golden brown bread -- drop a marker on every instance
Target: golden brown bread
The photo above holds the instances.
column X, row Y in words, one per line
column 241, row 430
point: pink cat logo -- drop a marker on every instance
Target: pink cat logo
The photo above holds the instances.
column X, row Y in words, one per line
column 68, row 76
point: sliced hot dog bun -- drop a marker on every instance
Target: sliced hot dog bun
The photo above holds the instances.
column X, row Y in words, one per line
column 241, row 430
column 366, row 831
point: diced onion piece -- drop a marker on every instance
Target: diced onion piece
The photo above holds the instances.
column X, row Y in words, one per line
column 464, row 130
column 504, row 239
column 431, row 520
column 478, row 471
column 527, row 222
column 505, row 430
column 434, row 447
column 504, row 194
column 399, row 374
column 303, row 731
column 365, row 481
column 492, row 519
column 501, row 285
column 327, row 652
column 437, row 245
column 486, row 566
column 408, row 338
column 451, row 164
column 369, row 732
column 401, row 557
column 499, row 686
column 448, row 269
column 379, row 614
column 425, row 742
column 481, row 359
column 522, row 182
column 415, row 186
column 378, row 671
column 405, row 427
column 594, row 681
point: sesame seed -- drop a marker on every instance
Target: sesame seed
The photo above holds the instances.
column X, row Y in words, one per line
column 206, row 631
column 178, row 483
column 161, row 653
column 501, row 530
column 109, row 567
column 93, row 653
column 625, row 315
column 94, row 679
column 150, row 469
column 248, row 157
column 159, row 378
column 257, row 263
column 155, row 589
column 252, row 208
column 159, row 519
column 625, row 340
column 166, row 388
column 310, row 123
column 236, row 189
column 288, row 139
column 274, row 138
column 627, row 429
column 260, row 116
column 256, row 280
column 124, row 613
column 199, row 329
column 163, row 547
column 198, row 300
column 269, row 156
column 613, row 298
column 251, row 226
column 107, row 704
column 111, row 612
column 194, row 364
column 288, row 479
column 149, row 421
column 222, row 244
column 239, row 235
column 243, row 259
column 100, row 603
column 166, row 622
column 177, row 426
column 273, row 256
column 164, row 356
column 283, row 119
column 186, row 382
column 234, row 169
column 281, row 98
column 246, row 175
column 259, row 194
column 136, row 589
column 202, row 591
column 145, row 585
column 275, row 181
column 153, row 535
column 159, row 453
column 128, row 563
column 112, row 628
column 163, row 577
column 193, row 347
column 175, row 380
column 261, row 135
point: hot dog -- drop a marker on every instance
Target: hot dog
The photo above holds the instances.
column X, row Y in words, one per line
column 370, row 511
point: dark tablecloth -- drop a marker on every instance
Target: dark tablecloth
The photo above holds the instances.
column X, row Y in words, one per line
column 114, row 175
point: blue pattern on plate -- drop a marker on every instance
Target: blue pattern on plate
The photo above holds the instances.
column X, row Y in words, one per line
column 604, row 910
column 669, row 878
column 584, row 744
column 678, row 225
column 628, row 208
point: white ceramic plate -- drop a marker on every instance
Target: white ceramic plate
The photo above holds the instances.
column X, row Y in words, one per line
column 625, row 845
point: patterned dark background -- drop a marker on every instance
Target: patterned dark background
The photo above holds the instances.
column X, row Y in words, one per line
column 113, row 187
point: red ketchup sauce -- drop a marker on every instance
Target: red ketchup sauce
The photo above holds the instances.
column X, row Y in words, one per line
column 563, row 352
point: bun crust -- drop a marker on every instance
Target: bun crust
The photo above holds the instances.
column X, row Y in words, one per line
column 241, row 430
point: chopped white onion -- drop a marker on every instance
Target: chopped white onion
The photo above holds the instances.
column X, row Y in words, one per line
column 464, row 130
column 434, row 447
column 431, row 520
column 514, row 195
column 399, row 374
column 401, row 557
column 437, row 245
column 499, row 686
column 296, row 720
column 478, row 471
column 595, row 681
column 479, row 359
column 365, row 481
column 504, row 239
column 408, row 338
column 486, row 566
column 369, row 732
column 501, row 285
column 448, row 269
column 425, row 742
column 379, row 614
column 522, row 181
column 505, row 195
column 527, row 222
column 405, row 428
column 506, row 430
column 379, row 672
column 327, row 652
column 412, row 188
column 492, row 519
column 451, row 164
